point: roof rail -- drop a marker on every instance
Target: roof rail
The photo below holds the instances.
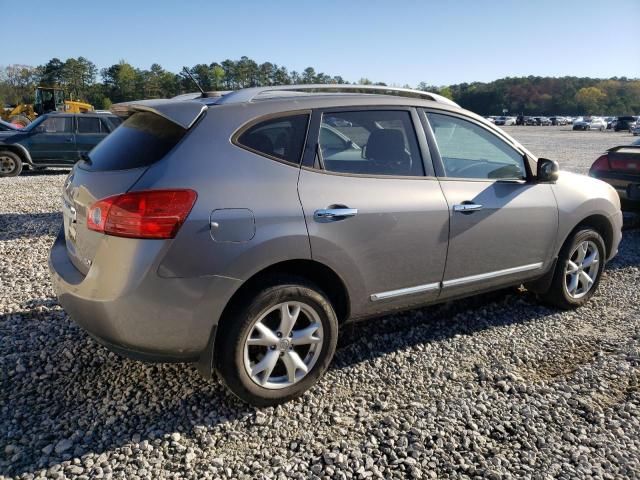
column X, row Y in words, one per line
column 250, row 94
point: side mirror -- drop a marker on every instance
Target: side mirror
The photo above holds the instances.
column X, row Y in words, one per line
column 548, row 170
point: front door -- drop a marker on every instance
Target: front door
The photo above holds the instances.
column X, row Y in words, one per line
column 503, row 226
column 372, row 213
column 53, row 140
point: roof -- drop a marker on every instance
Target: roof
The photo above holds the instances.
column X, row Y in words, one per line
column 184, row 110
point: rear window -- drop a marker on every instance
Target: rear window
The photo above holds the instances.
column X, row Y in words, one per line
column 141, row 140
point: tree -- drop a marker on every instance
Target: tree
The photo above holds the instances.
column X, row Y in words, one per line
column 590, row 99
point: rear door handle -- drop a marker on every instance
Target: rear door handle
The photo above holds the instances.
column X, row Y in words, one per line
column 68, row 139
column 332, row 214
column 467, row 207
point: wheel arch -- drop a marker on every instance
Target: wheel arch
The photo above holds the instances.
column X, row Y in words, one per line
column 600, row 224
column 318, row 273
column 19, row 150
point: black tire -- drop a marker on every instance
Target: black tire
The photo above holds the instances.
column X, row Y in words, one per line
column 10, row 164
column 558, row 295
column 236, row 327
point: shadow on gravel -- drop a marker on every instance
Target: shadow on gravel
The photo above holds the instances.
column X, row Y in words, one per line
column 87, row 400
column 44, row 172
column 15, row 226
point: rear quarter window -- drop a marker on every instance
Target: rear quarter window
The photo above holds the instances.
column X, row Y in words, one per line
column 281, row 137
column 141, row 140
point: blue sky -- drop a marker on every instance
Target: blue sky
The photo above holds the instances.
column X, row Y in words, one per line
column 392, row 41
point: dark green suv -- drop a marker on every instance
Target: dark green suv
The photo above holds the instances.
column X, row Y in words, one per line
column 53, row 140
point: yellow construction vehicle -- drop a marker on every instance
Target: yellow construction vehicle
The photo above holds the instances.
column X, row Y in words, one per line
column 48, row 99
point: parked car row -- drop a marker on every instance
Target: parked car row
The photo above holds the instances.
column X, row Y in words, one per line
column 621, row 123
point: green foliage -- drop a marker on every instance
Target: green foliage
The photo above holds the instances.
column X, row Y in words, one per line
column 122, row 82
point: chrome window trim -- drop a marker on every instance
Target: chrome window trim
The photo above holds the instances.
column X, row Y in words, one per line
column 405, row 291
column 489, row 275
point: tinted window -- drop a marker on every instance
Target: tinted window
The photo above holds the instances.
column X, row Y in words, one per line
column 113, row 121
column 88, row 124
column 281, row 137
column 54, row 124
column 144, row 138
column 370, row 142
column 470, row 151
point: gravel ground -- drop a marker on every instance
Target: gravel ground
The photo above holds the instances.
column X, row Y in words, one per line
column 490, row 387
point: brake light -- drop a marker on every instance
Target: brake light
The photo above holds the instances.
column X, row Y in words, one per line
column 627, row 165
column 145, row 214
column 600, row 165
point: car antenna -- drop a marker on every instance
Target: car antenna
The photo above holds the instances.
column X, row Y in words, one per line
column 188, row 74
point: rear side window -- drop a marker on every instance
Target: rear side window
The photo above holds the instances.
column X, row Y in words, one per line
column 143, row 139
column 370, row 142
column 88, row 125
column 282, row 137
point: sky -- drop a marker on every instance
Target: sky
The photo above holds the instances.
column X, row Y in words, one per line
column 397, row 42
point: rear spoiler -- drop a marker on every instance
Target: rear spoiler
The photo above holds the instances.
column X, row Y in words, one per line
column 182, row 113
column 624, row 147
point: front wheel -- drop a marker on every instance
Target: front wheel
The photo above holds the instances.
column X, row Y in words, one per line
column 578, row 270
column 279, row 344
column 10, row 164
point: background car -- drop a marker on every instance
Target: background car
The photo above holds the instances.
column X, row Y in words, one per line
column 624, row 122
column 558, row 120
column 53, row 140
column 635, row 127
column 590, row 123
column 620, row 168
column 543, row 121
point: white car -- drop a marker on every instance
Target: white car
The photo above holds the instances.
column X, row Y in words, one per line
column 590, row 123
column 635, row 127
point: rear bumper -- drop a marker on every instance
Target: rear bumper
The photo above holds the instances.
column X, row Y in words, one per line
column 126, row 306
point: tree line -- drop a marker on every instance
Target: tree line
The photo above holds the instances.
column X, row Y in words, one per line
column 120, row 82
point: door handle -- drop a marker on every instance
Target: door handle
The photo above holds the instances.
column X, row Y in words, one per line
column 467, row 207
column 331, row 214
column 69, row 139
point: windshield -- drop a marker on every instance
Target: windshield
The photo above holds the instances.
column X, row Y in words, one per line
column 35, row 123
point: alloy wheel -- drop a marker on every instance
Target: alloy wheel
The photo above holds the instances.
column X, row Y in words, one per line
column 283, row 345
column 582, row 269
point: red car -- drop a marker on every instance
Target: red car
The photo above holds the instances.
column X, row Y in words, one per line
column 620, row 168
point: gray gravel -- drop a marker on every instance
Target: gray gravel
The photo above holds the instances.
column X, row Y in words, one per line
column 492, row 387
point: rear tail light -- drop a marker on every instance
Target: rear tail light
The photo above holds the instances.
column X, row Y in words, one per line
column 145, row 214
column 625, row 165
column 600, row 165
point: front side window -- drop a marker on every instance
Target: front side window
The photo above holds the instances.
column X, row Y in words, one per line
column 88, row 125
column 281, row 137
column 470, row 151
column 54, row 124
column 370, row 142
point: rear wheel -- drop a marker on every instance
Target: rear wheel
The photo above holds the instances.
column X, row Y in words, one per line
column 578, row 270
column 279, row 344
column 10, row 164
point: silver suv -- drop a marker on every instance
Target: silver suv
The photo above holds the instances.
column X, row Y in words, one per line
column 242, row 230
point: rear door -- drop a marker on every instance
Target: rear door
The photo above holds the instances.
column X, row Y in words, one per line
column 90, row 131
column 53, row 140
column 374, row 210
column 503, row 225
